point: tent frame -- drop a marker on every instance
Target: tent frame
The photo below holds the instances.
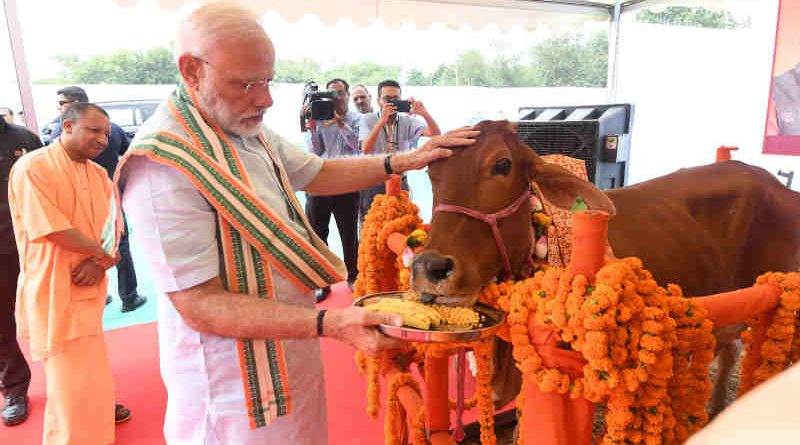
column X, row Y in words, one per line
column 614, row 12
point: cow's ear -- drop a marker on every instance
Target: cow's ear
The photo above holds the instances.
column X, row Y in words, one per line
column 562, row 188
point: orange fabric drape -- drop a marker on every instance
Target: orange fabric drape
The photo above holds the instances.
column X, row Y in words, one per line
column 551, row 418
column 740, row 305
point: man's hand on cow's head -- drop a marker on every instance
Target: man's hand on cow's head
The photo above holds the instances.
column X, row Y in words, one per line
column 356, row 327
column 437, row 147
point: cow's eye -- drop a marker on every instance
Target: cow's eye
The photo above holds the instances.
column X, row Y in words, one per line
column 502, row 167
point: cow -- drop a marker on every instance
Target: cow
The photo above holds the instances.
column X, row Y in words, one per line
column 709, row 229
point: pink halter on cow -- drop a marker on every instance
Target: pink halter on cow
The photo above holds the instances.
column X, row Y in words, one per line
column 491, row 219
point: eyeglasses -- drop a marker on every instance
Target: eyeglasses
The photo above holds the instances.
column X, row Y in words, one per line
column 246, row 86
column 61, row 103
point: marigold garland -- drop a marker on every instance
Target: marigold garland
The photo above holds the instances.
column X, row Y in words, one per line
column 396, row 214
column 393, row 408
column 781, row 348
column 647, row 348
column 628, row 329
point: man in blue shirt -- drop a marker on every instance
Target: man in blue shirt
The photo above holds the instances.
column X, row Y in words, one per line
column 329, row 139
column 117, row 146
column 390, row 131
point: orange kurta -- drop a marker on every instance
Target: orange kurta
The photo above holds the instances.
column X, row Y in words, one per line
column 48, row 192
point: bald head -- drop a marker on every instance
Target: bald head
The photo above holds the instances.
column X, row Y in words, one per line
column 227, row 62
column 218, row 26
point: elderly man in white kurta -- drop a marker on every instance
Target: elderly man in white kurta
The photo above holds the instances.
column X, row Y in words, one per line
column 209, row 194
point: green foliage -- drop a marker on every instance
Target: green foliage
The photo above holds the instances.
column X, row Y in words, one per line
column 691, row 16
column 367, row 73
column 563, row 60
column 297, row 71
column 154, row 66
column 417, row 77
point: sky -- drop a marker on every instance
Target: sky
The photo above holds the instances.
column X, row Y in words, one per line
column 52, row 27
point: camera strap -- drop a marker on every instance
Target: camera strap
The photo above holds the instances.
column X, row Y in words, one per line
column 392, row 144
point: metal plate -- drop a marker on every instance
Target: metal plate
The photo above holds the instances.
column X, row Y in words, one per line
column 493, row 320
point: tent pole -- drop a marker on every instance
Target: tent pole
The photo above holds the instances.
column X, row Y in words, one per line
column 21, row 67
column 613, row 52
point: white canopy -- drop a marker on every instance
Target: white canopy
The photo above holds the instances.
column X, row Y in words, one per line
column 422, row 13
column 477, row 13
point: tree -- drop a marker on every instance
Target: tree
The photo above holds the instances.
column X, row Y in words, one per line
column 691, row 16
column 568, row 60
column 417, row 77
column 154, row 66
column 444, row 75
column 297, row 71
column 472, row 70
column 367, row 73
column 563, row 60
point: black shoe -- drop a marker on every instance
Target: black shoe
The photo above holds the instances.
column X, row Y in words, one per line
column 16, row 410
column 134, row 304
column 322, row 294
column 108, row 300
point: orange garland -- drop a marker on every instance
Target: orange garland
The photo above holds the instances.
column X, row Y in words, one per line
column 626, row 328
column 647, row 348
column 397, row 214
column 781, row 348
column 388, row 214
column 393, row 408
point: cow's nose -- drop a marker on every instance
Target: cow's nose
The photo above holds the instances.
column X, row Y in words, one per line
column 435, row 267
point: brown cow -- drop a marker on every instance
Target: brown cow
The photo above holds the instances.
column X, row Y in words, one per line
column 709, row 229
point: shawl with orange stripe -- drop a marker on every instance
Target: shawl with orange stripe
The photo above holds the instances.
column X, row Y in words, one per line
column 251, row 236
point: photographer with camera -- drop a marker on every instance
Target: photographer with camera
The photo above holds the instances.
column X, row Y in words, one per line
column 392, row 130
column 333, row 133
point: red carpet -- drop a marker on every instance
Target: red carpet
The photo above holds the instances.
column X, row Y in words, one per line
column 134, row 360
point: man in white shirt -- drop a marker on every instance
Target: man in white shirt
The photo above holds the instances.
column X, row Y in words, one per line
column 209, row 194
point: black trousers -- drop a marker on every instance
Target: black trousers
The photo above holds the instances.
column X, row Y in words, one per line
column 15, row 375
column 345, row 209
column 367, row 195
column 126, row 275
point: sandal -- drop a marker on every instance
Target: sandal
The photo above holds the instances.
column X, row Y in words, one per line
column 121, row 414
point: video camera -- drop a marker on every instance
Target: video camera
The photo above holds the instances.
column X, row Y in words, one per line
column 320, row 104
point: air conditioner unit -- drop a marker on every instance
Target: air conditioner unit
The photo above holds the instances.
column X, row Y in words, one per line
column 598, row 134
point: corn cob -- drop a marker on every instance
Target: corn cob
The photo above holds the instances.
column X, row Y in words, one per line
column 415, row 315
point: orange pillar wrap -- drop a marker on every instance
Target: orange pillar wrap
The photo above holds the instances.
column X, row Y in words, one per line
column 437, row 400
column 589, row 238
column 394, row 185
column 396, row 243
column 552, row 418
column 740, row 305
column 724, row 153
column 409, row 398
column 389, row 276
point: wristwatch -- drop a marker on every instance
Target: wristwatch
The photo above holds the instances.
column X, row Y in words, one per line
column 387, row 165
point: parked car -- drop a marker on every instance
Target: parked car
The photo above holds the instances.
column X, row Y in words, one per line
column 128, row 114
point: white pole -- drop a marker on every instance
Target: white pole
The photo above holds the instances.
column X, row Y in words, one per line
column 613, row 53
column 20, row 65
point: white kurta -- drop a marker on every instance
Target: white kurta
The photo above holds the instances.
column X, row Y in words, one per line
column 176, row 226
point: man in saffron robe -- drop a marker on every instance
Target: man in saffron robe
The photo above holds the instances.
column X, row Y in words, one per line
column 66, row 225
column 210, row 194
